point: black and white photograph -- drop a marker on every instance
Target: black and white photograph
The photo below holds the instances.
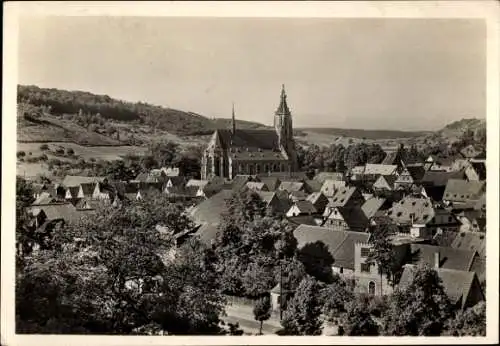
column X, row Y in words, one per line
column 251, row 176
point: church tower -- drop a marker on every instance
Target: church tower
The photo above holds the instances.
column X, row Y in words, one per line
column 284, row 128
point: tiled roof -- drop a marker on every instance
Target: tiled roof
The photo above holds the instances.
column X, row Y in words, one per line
column 65, row 211
column 207, row 233
column 378, row 169
column 189, row 191
column 329, row 186
column 291, row 186
column 210, row 210
column 416, row 171
column 272, row 183
column 195, row 182
column 391, row 158
column 76, row 180
column 44, row 198
column 313, row 185
column 265, row 196
column 462, row 190
column 471, row 241
column 421, row 208
column 456, row 283
column 372, row 205
column 354, row 217
column 449, row 258
column 314, row 197
column 253, row 185
column 389, row 179
column 436, row 178
column 264, row 139
column 342, row 196
column 286, row 176
column 303, row 220
column 340, row 243
column 480, row 168
column 479, row 267
column 305, row 207
column 257, row 155
column 298, row 195
column 322, row 176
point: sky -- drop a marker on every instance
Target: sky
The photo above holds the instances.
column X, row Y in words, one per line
column 366, row 73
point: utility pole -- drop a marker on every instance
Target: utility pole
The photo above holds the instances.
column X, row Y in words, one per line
column 281, row 287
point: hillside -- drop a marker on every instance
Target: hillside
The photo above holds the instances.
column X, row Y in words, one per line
column 360, row 133
column 54, row 115
column 452, row 132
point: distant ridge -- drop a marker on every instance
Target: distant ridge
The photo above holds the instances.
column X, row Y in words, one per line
column 360, row 133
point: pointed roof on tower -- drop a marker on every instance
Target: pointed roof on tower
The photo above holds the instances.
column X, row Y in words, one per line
column 283, row 107
column 233, row 122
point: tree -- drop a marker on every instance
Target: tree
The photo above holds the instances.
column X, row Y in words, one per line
column 358, row 320
column 302, row 316
column 117, row 273
column 420, row 308
column 382, row 252
column 471, row 322
column 262, row 311
column 317, row 261
column 336, row 296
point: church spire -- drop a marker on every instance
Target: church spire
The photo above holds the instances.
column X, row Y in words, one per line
column 233, row 129
column 283, row 107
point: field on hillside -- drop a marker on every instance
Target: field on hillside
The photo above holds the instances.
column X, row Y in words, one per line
column 311, row 137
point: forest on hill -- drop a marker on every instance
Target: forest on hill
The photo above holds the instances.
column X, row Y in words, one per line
column 84, row 107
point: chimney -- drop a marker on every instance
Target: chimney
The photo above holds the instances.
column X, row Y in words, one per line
column 436, row 260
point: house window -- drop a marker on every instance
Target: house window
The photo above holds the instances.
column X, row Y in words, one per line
column 371, row 288
column 341, row 270
column 365, row 267
column 450, row 219
column 365, row 252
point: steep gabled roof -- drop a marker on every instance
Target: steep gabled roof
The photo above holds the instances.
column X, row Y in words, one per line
column 416, row 171
column 342, row 196
column 462, row 190
column 305, row 207
column 379, row 169
column 372, row 205
column 354, row 217
column 456, row 283
column 322, row 176
column 44, row 198
column 291, row 186
column 388, row 179
column 339, row 243
column 421, row 209
column 436, row 178
column 330, row 186
column 210, row 210
column 471, row 241
column 264, row 139
column 272, row 183
column 449, row 258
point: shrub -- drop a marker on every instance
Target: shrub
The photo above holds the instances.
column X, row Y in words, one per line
column 29, row 153
column 59, row 151
column 21, row 154
column 43, row 157
column 70, row 151
column 44, row 147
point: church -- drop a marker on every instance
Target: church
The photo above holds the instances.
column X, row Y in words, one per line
column 236, row 151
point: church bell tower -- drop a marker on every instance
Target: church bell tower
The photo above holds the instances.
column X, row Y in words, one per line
column 284, row 128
